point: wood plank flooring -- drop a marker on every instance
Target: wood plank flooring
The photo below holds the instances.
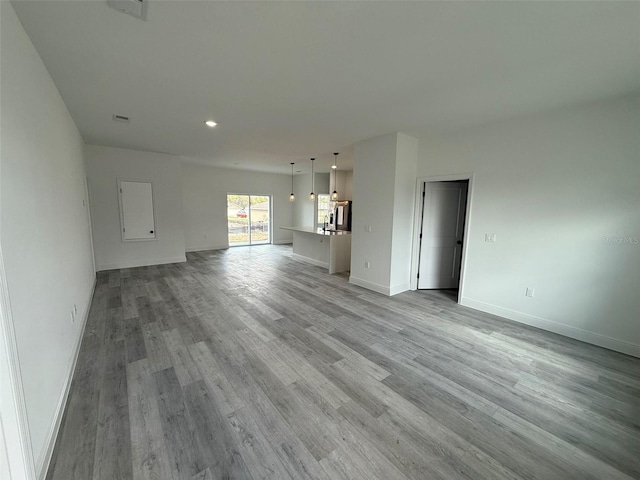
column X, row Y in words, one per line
column 245, row 364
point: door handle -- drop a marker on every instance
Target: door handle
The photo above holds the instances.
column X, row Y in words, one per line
column 459, row 242
column 150, row 231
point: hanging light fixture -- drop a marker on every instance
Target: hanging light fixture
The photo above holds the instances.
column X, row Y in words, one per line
column 292, row 197
column 312, row 196
column 334, row 194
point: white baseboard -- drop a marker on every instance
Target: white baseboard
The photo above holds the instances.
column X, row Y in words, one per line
column 370, row 285
column 555, row 327
column 396, row 289
column 43, row 462
column 388, row 291
column 141, row 263
column 312, row 261
column 204, row 248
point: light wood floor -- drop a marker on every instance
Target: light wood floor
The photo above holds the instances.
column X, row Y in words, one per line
column 245, row 364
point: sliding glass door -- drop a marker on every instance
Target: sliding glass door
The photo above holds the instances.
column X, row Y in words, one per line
column 249, row 219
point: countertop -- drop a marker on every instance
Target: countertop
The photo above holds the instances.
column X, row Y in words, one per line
column 317, row 231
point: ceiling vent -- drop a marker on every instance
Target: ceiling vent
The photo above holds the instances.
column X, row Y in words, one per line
column 135, row 8
column 120, row 118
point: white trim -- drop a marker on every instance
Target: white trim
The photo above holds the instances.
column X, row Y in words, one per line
column 143, row 263
column 376, row 287
column 312, row 261
column 283, row 242
column 204, row 248
column 52, row 434
column 555, row 327
column 415, row 254
column 14, row 415
column 415, row 238
column 396, row 289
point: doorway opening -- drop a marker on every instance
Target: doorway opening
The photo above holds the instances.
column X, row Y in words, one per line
column 443, row 212
column 248, row 219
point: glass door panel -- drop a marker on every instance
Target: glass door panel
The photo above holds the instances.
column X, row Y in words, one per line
column 260, row 213
column 249, row 219
column 238, row 219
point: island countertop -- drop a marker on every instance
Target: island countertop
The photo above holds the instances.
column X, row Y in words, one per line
column 330, row 249
column 317, row 231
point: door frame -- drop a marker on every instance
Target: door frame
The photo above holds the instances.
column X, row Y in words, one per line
column 417, row 225
column 15, row 423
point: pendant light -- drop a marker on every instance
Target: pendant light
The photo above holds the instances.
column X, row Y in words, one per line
column 334, row 194
column 312, row 196
column 292, row 197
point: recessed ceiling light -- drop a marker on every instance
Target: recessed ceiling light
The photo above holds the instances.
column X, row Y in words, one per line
column 210, row 123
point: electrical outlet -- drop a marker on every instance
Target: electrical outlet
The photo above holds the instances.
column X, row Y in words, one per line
column 367, row 228
column 490, row 237
column 529, row 292
column 367, row 264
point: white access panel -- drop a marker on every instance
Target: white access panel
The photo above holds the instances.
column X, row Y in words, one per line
column 136, row 210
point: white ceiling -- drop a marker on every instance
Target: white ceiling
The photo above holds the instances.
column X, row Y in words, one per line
column 291, row 80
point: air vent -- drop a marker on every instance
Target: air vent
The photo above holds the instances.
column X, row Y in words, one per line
column 135, row 8
column 120, row 118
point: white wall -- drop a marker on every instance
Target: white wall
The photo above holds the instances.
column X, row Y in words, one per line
column 552, row 187
column 343, row 184
column 303, row 208
column 373, row 200
column 44, row 230
column 105, row 165
column 384, row 175
column 204, row 199
column 403, row 209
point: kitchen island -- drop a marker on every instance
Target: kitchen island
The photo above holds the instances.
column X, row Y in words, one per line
column 330, row 249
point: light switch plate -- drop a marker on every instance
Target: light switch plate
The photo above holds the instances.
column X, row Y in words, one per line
column 490, row 237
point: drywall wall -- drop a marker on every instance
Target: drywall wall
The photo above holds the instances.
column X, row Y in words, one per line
column 347, row 179
column 44, row 231
column 304, row 210
column 403, row 208
column 560, row 191
column 105, row 166
column 384, row 175
column 343, row 183
column 204, row 199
